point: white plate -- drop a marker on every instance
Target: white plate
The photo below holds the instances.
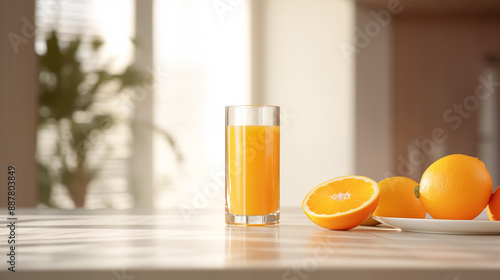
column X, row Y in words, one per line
column 442, row 226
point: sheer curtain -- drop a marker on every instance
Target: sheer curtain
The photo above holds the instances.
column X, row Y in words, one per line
column 203, row 62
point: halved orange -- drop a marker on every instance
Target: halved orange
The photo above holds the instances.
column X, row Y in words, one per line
column 342, row 203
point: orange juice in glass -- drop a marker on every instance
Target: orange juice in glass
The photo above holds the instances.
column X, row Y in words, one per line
column 252, row 165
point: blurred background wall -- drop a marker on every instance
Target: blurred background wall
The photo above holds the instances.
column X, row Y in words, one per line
column 369, row 87
column 301, row 68
column 18, row 102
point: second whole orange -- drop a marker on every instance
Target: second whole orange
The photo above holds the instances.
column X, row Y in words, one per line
column 397, row 199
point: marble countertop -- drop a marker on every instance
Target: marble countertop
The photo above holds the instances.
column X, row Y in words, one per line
column 147, row 244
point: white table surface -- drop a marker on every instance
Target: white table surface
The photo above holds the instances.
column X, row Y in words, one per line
column 146, row 244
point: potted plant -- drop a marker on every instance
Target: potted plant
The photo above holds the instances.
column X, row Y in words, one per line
column 69, row 89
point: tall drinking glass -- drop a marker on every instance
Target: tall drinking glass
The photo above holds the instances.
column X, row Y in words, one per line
column 252, row 165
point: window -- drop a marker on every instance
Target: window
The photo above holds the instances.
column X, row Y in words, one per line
column 201, row 64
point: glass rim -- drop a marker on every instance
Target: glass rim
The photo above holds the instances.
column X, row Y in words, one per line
column 252, row 106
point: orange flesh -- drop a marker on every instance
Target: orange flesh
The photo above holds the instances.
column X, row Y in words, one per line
column 340, row 196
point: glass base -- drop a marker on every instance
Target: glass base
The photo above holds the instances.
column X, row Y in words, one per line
column 253, row 220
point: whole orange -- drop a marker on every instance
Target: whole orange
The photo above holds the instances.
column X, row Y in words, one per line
column 397, row 199
column 456, row 187
column 493, row 208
